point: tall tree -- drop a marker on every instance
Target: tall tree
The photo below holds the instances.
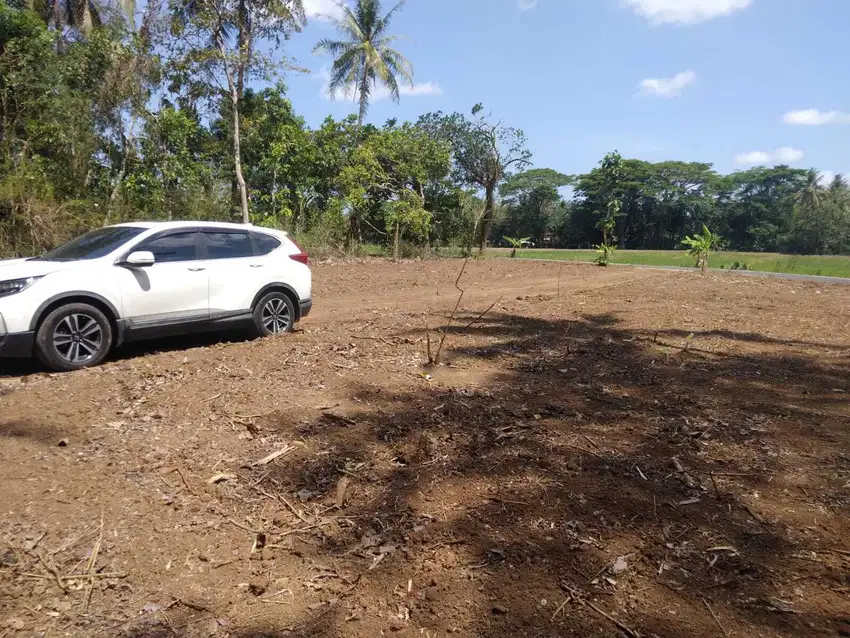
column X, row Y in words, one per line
column 364, row 58
column 483, row 154
column 79, row 15
column 533, row 205
column 809, row 195
column 219, row 39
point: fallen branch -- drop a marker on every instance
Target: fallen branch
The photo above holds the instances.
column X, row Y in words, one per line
column 51, row 568
column 185, row 482
column 716, row 619
column 624, row 628
column 338, row 418
column 293, row 510
column 78, row 576
column 681, row 470
column 92, row 560
column 585, row 450
column 581, row 601
column 560, row 607
column 245, row 527
column 271, row 457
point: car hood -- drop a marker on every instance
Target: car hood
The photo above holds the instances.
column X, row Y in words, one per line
column 22, row 268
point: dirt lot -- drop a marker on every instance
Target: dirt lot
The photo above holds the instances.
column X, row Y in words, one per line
column 605, row 453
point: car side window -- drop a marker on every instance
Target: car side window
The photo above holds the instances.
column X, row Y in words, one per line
column 174, row 247
column 264, row 243
column 228, row 245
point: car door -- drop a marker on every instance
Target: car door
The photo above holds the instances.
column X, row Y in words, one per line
column 235, row 273
column 175, row 289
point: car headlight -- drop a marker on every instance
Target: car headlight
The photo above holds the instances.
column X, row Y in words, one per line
column 14, row 286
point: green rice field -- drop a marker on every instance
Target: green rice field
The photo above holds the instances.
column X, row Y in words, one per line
column 825, row 266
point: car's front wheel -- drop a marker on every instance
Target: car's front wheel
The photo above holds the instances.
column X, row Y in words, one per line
column 274, row 314
column 73, row 336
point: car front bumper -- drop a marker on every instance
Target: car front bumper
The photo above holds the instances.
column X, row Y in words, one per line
column 304, row 308
column 16, row 345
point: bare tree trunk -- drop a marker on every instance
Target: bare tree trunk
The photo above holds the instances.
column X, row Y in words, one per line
column 237, row 164
column 364, row 98
column 355, row 233
column 119, row 179
column 487, row 218
column 395, row 242
column 237, row 150
column 426, row 240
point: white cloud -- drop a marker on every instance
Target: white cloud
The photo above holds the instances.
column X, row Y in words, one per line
column 668, row 87
column 814, row 117
column 322, row 9
column 788, row 155
column 525, row 5
column 685, row 11
column 423, row 88
column 783, row 155
column 379, row 92
column 826, row 178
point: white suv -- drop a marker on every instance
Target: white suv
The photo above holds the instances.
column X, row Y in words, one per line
column 129, row 282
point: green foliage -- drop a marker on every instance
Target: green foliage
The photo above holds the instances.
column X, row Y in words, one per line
column 482, row 154
column 604, row 253
column 611, row 188
column 186, row 117
column 516, row 243
column 534, row 180
column 700, row 246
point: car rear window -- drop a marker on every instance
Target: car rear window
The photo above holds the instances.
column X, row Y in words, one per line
column 265, row 243
column 228, row 245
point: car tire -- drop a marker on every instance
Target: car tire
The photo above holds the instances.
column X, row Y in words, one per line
column 274, row 314
column 72, row 337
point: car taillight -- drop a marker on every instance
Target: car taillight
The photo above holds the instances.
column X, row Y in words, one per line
column 301, row 256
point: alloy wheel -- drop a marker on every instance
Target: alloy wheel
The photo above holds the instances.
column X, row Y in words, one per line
column 276, row 317
column 78, row 338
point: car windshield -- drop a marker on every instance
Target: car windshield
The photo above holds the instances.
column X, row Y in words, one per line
column 97, row 243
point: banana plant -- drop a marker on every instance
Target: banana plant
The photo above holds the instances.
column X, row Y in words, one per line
column 700, row 247
column 516, row 243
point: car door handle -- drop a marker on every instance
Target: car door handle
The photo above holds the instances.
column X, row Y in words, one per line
column 196, row 269
column 256, row 265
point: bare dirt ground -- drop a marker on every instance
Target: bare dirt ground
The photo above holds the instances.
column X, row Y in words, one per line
column 647, row 453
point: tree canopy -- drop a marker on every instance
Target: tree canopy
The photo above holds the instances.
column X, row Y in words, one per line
column 187, row 116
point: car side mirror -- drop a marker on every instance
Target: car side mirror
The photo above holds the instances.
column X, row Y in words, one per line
column 139, row 259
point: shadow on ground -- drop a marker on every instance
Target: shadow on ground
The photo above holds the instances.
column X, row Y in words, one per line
column 136, row 349
column 590, row 481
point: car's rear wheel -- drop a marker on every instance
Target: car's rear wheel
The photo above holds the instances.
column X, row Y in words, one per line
column 73, row 336
column 274, row 314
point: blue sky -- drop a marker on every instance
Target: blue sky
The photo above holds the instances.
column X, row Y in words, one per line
column 732, row 82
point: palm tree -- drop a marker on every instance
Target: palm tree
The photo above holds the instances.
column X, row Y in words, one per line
column 838, row 185
column 809, row 195
column 364, row 57
column 80, row 15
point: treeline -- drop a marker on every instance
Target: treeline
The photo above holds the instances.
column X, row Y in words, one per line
column 102, row 124
column 777, row 209
column 105, row 119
